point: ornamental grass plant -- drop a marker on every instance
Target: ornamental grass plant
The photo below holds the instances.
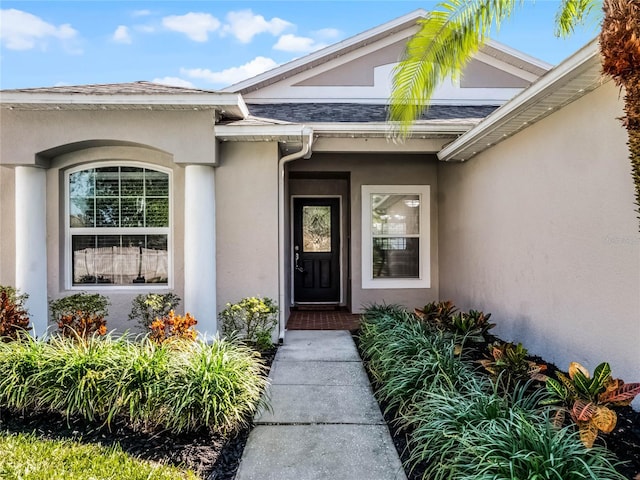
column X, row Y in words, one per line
column 177, row 386
column 461, row 424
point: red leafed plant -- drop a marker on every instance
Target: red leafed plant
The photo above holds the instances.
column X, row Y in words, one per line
column 173, row 327
column 80, row 315
column 82, row 324
column 588, row 399
column 13, row 317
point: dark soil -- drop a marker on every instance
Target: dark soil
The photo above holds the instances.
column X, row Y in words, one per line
column 624, row 441
column 211, row 456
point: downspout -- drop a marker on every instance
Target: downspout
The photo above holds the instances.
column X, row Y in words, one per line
column 304, row 152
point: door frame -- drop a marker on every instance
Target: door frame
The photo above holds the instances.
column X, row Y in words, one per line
column 292, row 301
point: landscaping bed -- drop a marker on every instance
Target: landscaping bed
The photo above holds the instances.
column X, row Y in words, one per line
column 221, row 385
column 449, row 419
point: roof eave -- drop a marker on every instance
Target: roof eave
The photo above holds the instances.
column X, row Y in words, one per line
column 425, row 129
column 231, row 132
column 565, row 83
column 231, row 105
column 289, row 132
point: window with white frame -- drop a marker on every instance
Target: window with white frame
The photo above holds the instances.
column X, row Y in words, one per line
column 395, row 236
column 118, row 225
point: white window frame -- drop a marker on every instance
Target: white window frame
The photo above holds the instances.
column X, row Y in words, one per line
column 424, row 269
column 168, row 231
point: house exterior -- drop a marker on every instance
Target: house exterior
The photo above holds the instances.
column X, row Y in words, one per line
column 512, row 195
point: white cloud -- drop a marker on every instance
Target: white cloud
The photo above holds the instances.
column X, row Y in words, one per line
column 295, row 44
column 196, row 26
column 232, row 75
column 122, row 35
column 24, row 31
column 327, row 33
column 244, row 25
column 174, row 82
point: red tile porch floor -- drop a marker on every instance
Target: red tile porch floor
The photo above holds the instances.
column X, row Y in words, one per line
column 325, row 319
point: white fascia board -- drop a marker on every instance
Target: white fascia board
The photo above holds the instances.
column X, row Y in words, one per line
column 327, row 52
column 521, row 102
column 268, row 132
column 231, row 103
column 275, row 132
column 387, row 129
column 518, row 54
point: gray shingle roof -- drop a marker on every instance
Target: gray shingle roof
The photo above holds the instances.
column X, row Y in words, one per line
column 132, row 88
column 352, row 112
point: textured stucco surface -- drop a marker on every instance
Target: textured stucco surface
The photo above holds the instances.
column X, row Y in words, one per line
column 58, row 140
column 541, row 231
column 247, row 221
column 381, row 169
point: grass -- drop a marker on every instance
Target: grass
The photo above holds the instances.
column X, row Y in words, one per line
column 26, row 457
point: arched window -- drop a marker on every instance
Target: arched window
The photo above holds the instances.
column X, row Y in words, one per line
column 118, row 225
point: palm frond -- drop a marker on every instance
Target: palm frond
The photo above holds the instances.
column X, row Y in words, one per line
column 446, row 41
column 575, row 12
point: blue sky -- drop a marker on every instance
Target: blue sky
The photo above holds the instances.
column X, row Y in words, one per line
column 211, row 44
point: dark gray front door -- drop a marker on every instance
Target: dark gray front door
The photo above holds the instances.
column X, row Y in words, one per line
column 316, row 250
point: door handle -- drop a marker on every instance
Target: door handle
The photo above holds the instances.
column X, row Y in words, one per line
column 298, row 267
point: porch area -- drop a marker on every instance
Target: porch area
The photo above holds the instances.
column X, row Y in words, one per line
column 329, row 318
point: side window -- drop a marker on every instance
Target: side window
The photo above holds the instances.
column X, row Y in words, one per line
column 395, row 236
column 118, row 226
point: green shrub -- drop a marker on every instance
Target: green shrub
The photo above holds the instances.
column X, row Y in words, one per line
column 218, row 385
column 462, row 426
column 80, row 378
column 147, row 307
column 251, row 319
column 20, row 364
column 408, row 358
column 441, row 422
column 525, row 446
column 81, row 314
column 179, row 386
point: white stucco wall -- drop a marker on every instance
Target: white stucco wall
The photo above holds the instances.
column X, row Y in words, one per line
column 540, row 230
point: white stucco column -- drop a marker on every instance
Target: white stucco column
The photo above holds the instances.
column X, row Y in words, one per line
column 31, row 242
column 200, row 246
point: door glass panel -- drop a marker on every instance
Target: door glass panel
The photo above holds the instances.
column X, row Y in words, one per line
column 316, row 228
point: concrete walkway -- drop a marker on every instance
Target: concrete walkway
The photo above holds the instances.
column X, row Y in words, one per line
column 325, row 423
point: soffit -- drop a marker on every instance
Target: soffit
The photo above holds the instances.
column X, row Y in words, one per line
column 567, row 82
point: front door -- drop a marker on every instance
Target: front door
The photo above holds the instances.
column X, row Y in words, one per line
column 316, row 250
